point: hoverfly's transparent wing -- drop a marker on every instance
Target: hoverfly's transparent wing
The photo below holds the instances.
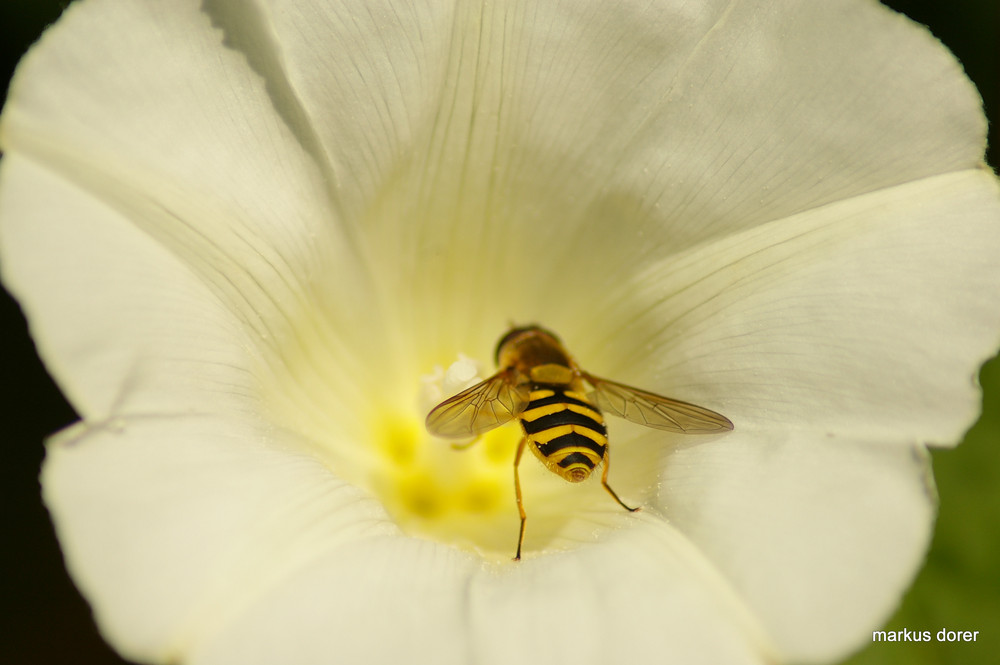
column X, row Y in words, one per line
column 478, row 409
column 656, row 411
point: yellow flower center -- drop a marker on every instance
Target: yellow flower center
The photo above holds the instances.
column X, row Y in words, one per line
column 372, row 435
column 464, row 497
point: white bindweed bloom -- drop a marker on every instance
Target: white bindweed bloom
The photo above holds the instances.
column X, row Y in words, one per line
column 253, row 238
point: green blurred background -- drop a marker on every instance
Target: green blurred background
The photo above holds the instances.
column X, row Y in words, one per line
column 43, row 619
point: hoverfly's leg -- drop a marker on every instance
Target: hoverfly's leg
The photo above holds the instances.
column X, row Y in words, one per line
column 604, row 481
column 466, row 444
column 517, row 493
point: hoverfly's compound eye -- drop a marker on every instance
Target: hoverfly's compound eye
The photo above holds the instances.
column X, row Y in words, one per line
column 511, row 334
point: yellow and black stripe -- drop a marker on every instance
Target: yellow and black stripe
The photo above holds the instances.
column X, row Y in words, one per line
column 566, row 430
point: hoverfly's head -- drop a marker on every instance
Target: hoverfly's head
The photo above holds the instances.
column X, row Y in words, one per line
column 517, row 334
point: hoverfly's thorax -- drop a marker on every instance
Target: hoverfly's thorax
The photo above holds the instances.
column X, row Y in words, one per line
column 533, row 348
column 551, row 374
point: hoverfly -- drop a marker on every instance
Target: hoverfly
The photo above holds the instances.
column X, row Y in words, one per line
column 541, row 385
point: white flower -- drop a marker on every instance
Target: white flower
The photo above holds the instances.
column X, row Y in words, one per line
column 245, row 233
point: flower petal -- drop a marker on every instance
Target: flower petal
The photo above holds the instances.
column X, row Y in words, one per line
column 550, row 129
column 868, row 318
column 165, row 127
column 385, row 600
column 227, row 552
column 819, row 535
column 171, row 526
column 124, row 326
column 643, row 597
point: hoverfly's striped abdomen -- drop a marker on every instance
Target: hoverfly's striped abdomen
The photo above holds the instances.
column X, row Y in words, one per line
column 566, row 431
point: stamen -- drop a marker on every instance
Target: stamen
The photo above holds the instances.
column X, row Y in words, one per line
column 432, row 490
